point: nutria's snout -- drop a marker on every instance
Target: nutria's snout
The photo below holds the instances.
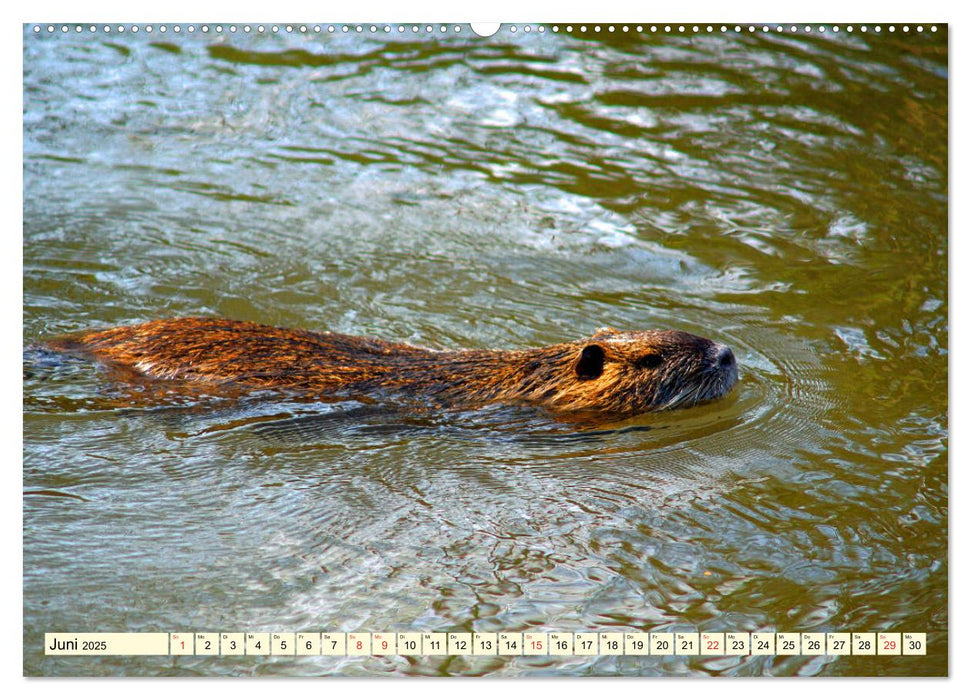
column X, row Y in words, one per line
column 724, row 356
column 724, row 360
column 725, row 363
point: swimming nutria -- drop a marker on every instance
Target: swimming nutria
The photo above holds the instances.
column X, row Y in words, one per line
column 612, row 372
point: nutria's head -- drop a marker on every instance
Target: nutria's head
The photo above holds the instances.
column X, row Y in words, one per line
column 634, row 372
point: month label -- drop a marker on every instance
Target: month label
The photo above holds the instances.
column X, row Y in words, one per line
column 107, row 644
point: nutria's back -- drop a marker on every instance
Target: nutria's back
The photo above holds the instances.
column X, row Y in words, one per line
column 615, row 372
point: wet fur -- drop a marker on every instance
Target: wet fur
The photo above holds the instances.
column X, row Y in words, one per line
column 605, row 373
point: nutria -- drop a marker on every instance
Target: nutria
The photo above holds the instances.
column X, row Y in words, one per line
column 612, row 372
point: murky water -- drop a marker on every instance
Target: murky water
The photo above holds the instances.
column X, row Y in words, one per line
column 785, row 194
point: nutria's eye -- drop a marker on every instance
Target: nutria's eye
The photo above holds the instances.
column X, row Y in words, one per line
column 652, row 360
column 590, row 364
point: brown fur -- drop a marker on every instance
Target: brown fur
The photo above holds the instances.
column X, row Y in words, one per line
column 613, row 372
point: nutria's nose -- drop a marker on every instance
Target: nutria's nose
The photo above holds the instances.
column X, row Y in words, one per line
column 724, row 356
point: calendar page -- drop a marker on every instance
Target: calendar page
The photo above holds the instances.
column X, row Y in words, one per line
column 531, row 349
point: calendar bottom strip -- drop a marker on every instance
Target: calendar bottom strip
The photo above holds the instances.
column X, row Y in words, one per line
column 486, row 644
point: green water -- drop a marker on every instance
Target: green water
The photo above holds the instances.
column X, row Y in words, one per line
column 784, row 194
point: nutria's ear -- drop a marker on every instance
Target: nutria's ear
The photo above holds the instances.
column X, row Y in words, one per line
column 590, row 364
